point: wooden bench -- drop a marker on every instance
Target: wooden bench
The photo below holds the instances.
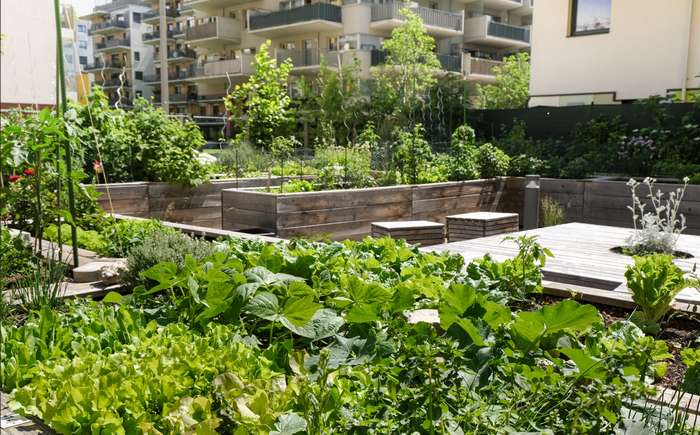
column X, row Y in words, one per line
column 423, row 232
column 480, row 224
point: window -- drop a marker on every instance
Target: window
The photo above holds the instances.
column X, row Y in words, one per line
column 589, row 17
column 82, row 28
column 137, row 56
column 83, row 60
column 138, row 75
column 82, row 44
column 137, row 17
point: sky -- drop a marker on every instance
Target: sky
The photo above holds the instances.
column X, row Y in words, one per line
column 592, row 11
column 82, row 7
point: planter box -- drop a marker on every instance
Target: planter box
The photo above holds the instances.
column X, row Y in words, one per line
column 342, row 214
column 199, row 205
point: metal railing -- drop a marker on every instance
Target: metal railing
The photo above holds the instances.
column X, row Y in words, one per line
column 99, row 64
column 430, row 17
column 307, row 57
column 316, row 11
column 120, row 24
column 113, row 43
column 178, row 54
column 242, row 65
column 176, row 75
column 221, row 27
column 509, row 31
column 115, row 83
column 212, row 97
column 155, row 35
column 450, row 63
column 169, row 13
column 177, row 98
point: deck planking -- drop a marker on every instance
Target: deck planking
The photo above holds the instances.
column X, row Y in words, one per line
column 582, row 255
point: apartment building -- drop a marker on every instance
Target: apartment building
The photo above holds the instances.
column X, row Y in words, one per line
column 613, row 51
column 121, row 58
column 77, row 50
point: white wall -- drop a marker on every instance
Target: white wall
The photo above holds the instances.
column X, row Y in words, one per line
column 28, row 59
column 643, row 55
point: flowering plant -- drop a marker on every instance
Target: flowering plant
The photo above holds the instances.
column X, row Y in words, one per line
column 655, row 231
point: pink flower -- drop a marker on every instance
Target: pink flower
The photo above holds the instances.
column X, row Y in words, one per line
column 14, row 178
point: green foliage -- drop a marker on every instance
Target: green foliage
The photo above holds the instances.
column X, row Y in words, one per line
column 87, row 239
column 16, row 256
column 654, row 281
column 512, row 87
column 522, row 165
column 344, row 167
column 282, row 147
column 493, row 162
column 465, row 165
column 142, row 144
column 691, row 380
column 695, row 179
column 412, row 154
column 42, row 287
column 260, row 107
column 404, row 83
column 161, row 247
column 295, row 185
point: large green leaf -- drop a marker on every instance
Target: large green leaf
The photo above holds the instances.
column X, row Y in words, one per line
column 298, row 311
column 455, row 301
column 325, row 323
column 566, row 316
column 289, row 424
column 589, row 366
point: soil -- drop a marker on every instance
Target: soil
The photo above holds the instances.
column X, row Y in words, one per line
column 676, row 254
column 681, row 330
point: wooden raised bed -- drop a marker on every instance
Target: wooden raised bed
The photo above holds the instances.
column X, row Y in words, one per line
column 342, row 214
column 199, row 205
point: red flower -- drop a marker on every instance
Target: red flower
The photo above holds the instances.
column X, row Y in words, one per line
column 29, row 172
column 14, row 178
column 97, row 166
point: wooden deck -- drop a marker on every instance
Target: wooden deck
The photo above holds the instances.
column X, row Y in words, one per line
column 582, row 256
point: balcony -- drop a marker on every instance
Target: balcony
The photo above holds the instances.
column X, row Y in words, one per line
column 483, row 30
column 307, row 19
column 154, row 37
column 307, row 60
column 211, row 98
column 173, row 77
column 207, row 7
column 113, row 45
column 448, row 63
column 178, row 56
column 216, row 34
column 479, row 69
column 109, row 27
column 438, row 23
column 115, row 83
column 499, row 5
column 153, row 17
column 221, row 71
column 100, row 65
column 176, row 99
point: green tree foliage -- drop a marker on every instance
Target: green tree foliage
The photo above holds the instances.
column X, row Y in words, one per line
column 261, row 107
column 512, row 87
column 403, row 85
column 464, row 163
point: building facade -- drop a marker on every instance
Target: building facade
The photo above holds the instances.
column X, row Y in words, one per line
column 212, row 43
column 614, row 51
column 77, row 50
column 121, row 58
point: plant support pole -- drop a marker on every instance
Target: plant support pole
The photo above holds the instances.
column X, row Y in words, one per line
column 60, row 109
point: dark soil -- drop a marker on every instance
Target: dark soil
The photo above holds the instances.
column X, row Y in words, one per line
column 623, row 251
column 680, row 330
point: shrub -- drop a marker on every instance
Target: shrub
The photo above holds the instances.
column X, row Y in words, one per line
column 163, row 247
column 412, row 153
column 654, row 281
column 343, row 167
column 464, row 164
column 16, row 256
column 121, row 237
column 523, row 164
column 695, row 179
column 493, row 162
column 580, row 167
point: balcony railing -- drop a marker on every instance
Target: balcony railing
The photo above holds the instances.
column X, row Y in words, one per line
column 450, row 63
column 307, row 57
column 178, row 54
column 316, row 11
column 484, row 67
column 177, row 98
column 211, row 97
column 508, row 31
column 152, row 15
column 430, row 17
column 155, row 35
column 221, row 27
column 118, row 4
column 178, row 75
column 119, row 24
column 99, row 64
column 113, row 43
column 115, row 83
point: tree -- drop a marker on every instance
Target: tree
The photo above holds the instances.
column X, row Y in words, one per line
column 512, row 87
column 261, row 107
column 405, row 82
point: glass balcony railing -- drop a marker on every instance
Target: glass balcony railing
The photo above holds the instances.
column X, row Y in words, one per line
column 312, row 12
column 509, row 31
column 430, row 17
column 308, row 57
column 109, row 24
column 112, row 43
column 155, row 35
